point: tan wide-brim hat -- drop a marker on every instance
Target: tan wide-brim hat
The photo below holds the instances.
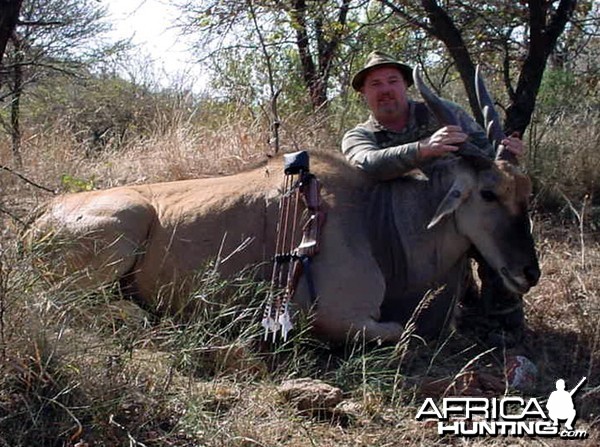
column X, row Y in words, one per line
column 378, row 59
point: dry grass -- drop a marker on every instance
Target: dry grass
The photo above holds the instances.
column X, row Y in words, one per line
column 94, row 369
column 563, row 157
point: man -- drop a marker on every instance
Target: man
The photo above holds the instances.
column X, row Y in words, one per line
column 401, row 133
column 560, row 405
column 399, row 136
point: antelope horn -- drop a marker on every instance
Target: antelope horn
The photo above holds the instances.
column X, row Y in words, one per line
column 446, row 117
column 491, row 119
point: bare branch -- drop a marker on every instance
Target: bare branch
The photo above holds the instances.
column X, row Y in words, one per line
column 39, row 23
column 409, row 18
column 26, row 180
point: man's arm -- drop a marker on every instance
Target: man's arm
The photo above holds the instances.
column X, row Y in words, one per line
column 361, row 149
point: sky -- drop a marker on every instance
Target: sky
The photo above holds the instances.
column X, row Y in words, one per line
column 149, row 23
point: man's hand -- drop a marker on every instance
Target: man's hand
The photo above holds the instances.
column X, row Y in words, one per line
column 514, row 144
column 444, row 140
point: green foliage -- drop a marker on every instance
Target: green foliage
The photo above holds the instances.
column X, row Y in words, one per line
column 52, row 37
column 563, row 138
column 562, row 91
column 102, row 111
column 74, row 184
column 303, row 43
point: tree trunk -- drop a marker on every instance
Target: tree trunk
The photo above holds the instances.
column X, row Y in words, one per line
column 545, row 28
column 9, row 15
column 316, row 70
column 546, row 24
column 444, row 29
column 309, row 70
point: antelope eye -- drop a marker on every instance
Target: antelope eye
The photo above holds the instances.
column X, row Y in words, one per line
column 488, row 196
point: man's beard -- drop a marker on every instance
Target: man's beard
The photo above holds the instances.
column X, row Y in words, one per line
column 388, row 105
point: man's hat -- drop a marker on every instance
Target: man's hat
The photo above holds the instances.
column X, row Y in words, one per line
column 379, row 59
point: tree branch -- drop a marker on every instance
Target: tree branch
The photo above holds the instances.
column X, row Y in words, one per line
column 39, row 23
column 542, row 42
column 275, row 123
column 444, row 29
column 558, row 21
column 410, row 19
column 26, row 180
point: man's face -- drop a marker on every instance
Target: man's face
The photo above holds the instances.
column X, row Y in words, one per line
column 384, row 90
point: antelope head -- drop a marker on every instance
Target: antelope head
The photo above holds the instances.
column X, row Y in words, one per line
column 489, row 198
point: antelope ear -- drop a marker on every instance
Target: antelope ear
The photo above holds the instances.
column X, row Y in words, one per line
column 459, row 191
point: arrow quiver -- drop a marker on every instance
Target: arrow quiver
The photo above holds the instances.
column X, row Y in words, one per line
column 297, row 241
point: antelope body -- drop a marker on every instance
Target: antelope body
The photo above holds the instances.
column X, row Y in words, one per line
column 384, row 246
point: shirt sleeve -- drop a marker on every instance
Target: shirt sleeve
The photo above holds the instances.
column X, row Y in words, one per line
column 361, row 149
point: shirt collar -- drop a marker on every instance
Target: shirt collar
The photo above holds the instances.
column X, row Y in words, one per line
column 412, row 121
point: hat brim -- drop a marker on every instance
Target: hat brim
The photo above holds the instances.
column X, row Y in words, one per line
column 359, row 78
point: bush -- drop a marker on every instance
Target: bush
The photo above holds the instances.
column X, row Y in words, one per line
column 563, row 140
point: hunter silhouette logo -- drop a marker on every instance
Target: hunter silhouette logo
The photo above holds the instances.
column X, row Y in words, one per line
column 506, row 416
column 560, row 404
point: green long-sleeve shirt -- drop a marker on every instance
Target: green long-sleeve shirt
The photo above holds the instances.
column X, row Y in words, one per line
column 385, row 154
